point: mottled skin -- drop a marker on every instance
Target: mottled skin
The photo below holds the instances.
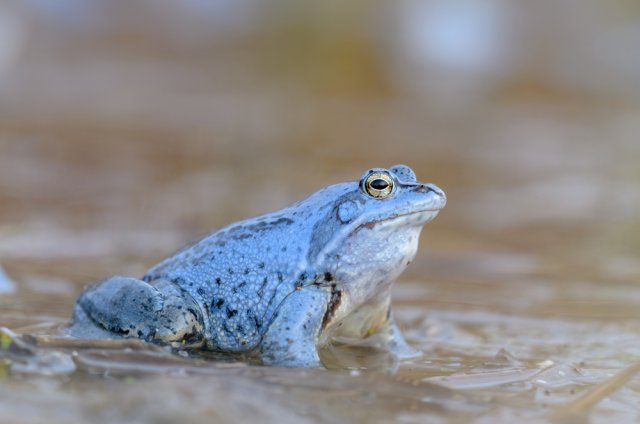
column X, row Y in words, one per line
column 278, row 286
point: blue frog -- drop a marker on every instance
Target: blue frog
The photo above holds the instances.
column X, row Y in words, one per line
column 280, row 286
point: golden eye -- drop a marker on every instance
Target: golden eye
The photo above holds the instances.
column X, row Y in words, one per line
column 378, row 185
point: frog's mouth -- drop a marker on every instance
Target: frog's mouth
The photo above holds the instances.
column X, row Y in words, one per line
column 419, row 217
column 422, row 210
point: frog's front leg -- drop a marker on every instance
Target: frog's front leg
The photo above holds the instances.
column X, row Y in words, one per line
column 292, row 337
column 123, row 307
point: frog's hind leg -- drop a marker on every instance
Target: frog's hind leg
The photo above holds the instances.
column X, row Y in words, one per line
column 123, row 307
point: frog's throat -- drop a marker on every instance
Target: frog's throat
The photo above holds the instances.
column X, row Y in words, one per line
column 321, row 256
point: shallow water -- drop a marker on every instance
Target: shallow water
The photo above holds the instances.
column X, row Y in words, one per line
column 121, row 142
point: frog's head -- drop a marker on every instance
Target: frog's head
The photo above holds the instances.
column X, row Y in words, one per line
column 370, row 233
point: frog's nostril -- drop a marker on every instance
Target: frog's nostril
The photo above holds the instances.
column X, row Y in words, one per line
column 426, row 188
column 422, row 188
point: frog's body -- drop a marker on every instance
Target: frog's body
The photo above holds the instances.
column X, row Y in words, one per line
column 278, row 286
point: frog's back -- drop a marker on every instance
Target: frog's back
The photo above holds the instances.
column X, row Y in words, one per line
column 240, row 274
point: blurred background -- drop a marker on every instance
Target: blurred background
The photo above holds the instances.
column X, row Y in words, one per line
column 128, row 128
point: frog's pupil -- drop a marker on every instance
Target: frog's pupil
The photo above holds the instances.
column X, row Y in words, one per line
column 379, row 184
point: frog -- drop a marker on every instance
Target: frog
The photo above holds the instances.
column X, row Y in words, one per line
column 279, row 287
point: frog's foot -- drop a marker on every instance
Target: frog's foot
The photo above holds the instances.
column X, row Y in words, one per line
column 123, row 307
column 395, row 341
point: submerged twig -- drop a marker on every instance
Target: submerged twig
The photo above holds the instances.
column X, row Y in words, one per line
column 576, row 410
column 69, row 343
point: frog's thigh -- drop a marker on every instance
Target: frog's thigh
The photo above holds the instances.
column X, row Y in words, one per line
column 291, row 338
column 129, row 307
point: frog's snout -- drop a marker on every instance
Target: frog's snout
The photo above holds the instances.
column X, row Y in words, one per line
column 432, row 188
column 437, row 190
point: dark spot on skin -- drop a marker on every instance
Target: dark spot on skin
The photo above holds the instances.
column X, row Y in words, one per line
column 246, row 271
column 226, row 328
column 231, row 312
column 284, row 248
column 368, row 225
column 328, row 276
column 217, row 303
column 200, row 291
column 264, row 225
column 230, row 271
column 244, row 283
column 262, row 286
column 261, row 265
column 280, row 277
column 257, row 322
column 273, row 295
column 332, row 307
column 218, row 281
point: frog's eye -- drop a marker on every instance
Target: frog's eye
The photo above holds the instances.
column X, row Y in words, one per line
column 378, row 185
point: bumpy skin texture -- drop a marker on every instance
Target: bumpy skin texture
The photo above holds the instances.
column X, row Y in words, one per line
column 280, row 285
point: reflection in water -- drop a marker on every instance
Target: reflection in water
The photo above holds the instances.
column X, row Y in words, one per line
column 126, row 132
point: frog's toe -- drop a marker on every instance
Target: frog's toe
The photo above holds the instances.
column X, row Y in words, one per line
column 180, row 320
column 83, row 326
column 396, row 342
